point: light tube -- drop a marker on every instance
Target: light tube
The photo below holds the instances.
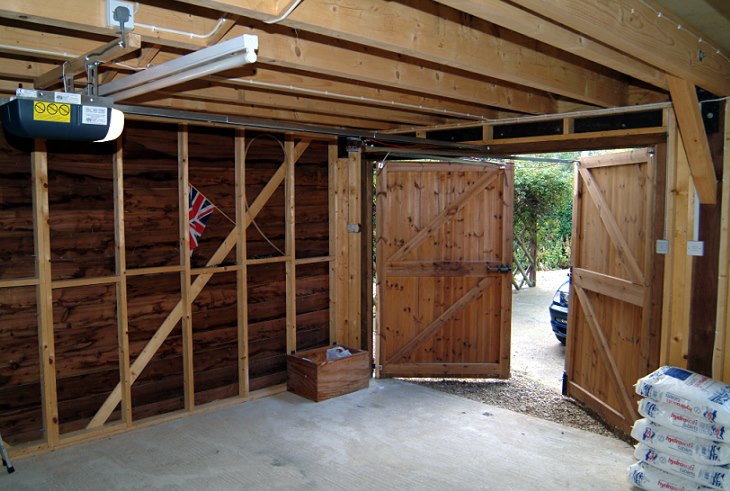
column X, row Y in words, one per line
column 223, row 56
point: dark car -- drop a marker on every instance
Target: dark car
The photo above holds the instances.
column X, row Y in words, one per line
column 559, row 312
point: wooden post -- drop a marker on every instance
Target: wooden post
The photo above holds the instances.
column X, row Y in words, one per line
column 721, row 360
column 242, row 272
column 185, row 297
column 353, row 227
column 290, row 250
column 333, row 177
column 366, row 266
column 121, row 286
column 44, row 295
column 506, row 284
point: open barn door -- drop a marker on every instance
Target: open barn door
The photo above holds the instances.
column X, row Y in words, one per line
column 615, row 301
column 444, row 256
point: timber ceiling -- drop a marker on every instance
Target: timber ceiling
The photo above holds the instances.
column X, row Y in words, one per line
column 377, row 64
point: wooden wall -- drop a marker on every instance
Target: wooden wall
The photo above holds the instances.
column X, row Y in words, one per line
column 87, row 286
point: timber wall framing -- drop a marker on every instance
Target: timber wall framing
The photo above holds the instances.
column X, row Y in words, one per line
column 108, row 323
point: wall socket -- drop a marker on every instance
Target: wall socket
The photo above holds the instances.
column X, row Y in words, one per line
column 695, row 248
column 111, row 5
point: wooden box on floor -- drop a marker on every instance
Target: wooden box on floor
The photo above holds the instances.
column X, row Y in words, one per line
column 310, row 375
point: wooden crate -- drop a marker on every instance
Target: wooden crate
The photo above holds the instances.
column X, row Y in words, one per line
column 310, row 375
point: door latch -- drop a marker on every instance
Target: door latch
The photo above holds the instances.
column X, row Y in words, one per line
column 501, row 268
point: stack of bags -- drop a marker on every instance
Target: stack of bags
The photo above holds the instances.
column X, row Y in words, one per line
column 684, row 437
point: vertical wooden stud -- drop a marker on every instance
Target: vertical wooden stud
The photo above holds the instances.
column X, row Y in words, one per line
column 650, row 217
column 353, row 226
column 381, row 195
column 121, row 287
column 721, row 360
column 333, row 208
column 290, row 250
column 242, row 273
column 42, row 236
column 366, row 266
column 505, row 336
column 186, row 320
column 574, row 255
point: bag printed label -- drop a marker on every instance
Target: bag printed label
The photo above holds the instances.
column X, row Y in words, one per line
column 680, row 444
column 645, row 476
column 704, row 397
column 708, row 475
column 679, row 420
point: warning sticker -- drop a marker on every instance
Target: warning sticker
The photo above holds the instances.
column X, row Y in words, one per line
column 52, row 112
column 93, row 115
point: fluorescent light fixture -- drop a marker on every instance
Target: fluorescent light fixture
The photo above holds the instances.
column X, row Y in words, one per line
column 229, row 54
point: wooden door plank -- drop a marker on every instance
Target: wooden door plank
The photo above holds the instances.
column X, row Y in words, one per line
column 472, row 294
column 614, row 231
column 381, row 207
column 354, row 248
column 605, row 352
column 120, row 257
column 175, row 315
column 44, row 295
column 448, row 213
column 186, row 318
column 576, row 261
column 241, row 260
column 611, row 286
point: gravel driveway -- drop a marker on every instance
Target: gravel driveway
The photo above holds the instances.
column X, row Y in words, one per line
column 536, row 352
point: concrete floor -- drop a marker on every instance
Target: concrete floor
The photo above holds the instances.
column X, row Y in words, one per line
column 393, row 435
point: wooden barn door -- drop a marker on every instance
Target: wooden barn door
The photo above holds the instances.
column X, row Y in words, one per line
column 615, row 300
column 444, row 255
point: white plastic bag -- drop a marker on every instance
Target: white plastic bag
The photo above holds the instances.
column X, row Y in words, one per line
column 677, row 443
column 680, row 420
column 716, row 476
column 650, row 478
column 337, row 352
column 704, row 397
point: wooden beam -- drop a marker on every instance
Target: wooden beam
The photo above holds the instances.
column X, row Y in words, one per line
column 290, row 249
column 505, row 304
column 105, row 53
column 242, row 273
column 535, row 27
column 634, row 27
column 120, row 261
column 186, row 301
column 689, row 119
column 44, row 295
column 287, row 50
column 721, row 358
column 441, row 35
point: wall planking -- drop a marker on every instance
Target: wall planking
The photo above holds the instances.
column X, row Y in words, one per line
column 82, row 238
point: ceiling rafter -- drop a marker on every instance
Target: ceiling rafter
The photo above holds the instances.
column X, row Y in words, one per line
column 443, row 36
column 285, row 49
column 634, row 28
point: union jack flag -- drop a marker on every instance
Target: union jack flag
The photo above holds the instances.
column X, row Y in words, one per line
column 200, row 210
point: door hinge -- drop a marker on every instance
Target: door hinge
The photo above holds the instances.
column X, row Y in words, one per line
column 501, row 268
